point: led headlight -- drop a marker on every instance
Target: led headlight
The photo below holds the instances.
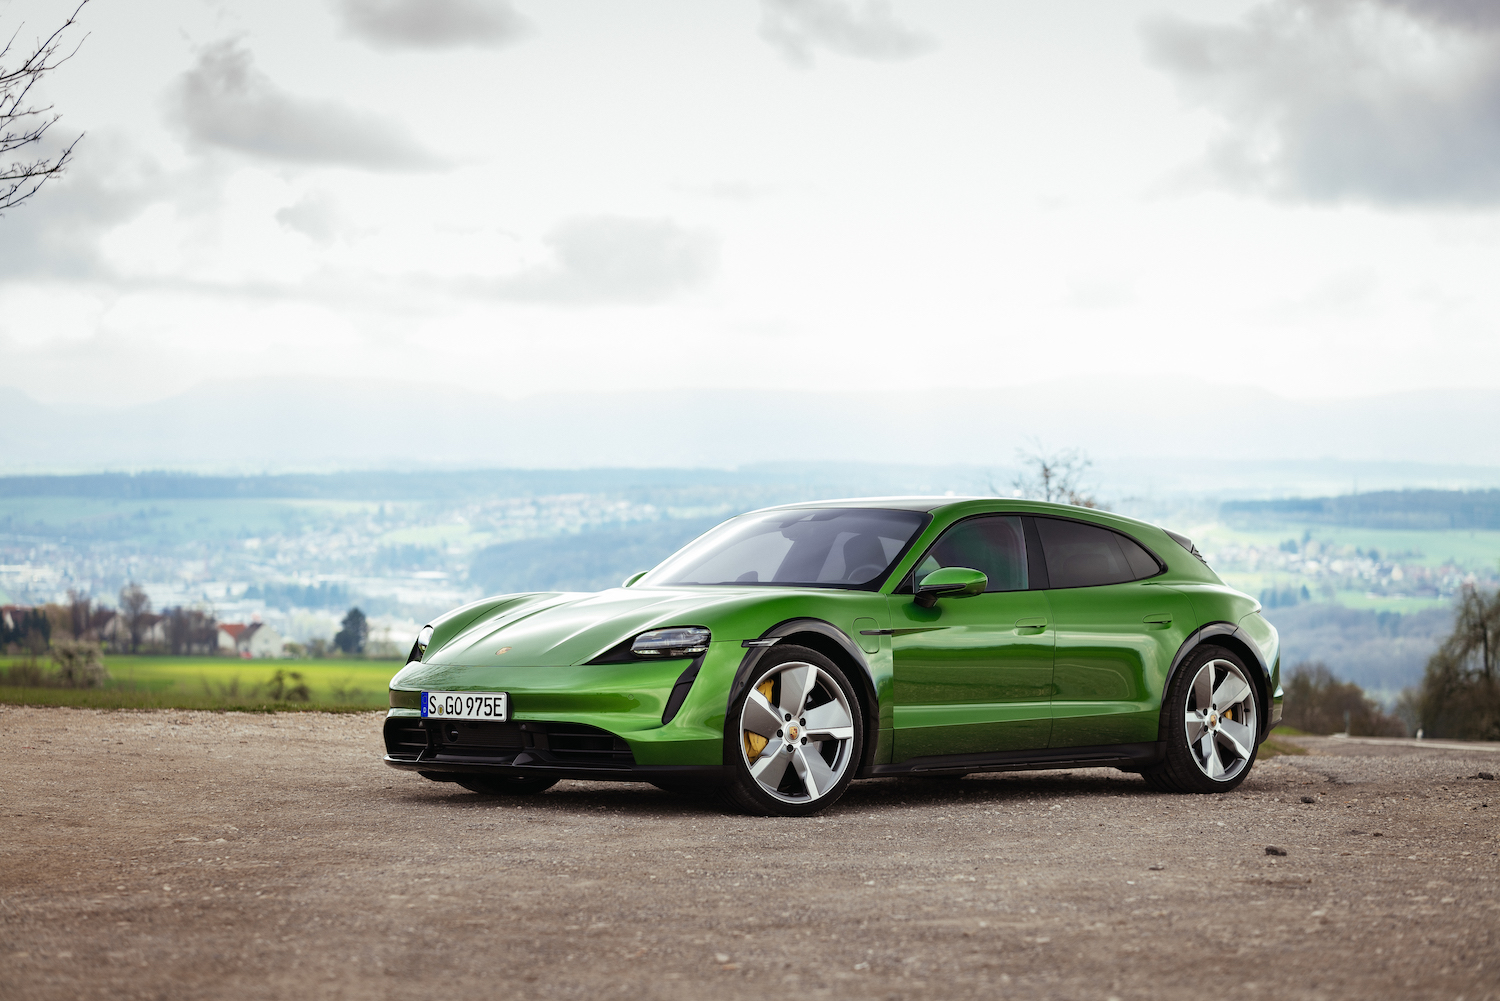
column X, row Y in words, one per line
column 419, row 648
column 682, row 641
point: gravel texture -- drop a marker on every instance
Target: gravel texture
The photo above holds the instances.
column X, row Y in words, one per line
column 189, row 854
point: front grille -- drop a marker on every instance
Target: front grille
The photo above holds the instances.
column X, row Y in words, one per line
column 477, row 737
column 570, row 744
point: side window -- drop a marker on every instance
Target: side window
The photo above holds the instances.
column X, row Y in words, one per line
column 995, row 545
column 1142, row 564
column 1081, row 555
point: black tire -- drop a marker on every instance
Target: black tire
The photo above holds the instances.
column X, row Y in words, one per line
column 837, row 756
column 506, row 785
column 1223, row 734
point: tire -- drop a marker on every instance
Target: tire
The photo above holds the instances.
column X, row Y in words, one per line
column 1211, row 722
column 800, row 707
column 506, row 785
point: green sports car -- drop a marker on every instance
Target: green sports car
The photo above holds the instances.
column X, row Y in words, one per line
column 791, row 650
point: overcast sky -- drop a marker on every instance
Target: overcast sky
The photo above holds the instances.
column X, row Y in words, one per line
column 1298, row 195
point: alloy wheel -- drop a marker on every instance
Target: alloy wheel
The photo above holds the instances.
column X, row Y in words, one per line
column 1220, row 720
column 797, row 733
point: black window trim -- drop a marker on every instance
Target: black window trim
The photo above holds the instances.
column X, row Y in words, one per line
column 1161, row 566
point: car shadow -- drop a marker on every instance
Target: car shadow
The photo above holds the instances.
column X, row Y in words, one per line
column 643, row 799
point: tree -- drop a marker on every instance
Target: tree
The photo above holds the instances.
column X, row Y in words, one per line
column 80, row 613
column 191, row 630
column 22, row 123
column 1054, row 476
column 1460, row 693
column 135, row 605
column 355, row 630
column 1318, row 702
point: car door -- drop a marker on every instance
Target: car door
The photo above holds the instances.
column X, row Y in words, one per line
column 1116, row 630
column 973, row 675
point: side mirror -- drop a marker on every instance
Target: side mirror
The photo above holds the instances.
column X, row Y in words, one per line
column 950, row 582
column 634, row 577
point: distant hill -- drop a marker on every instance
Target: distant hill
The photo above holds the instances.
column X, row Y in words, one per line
column 589, row 561
column 1397, row 509
column 1382, row 652
column 282, row 425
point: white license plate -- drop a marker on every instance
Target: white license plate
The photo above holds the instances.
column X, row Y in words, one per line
column 466, row 705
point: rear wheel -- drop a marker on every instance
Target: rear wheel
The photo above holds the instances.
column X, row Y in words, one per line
column 1211, row 719
column 795, row 735
column 506, row 785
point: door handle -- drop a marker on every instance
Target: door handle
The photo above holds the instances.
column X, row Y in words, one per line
column 1030, row 626
column 1158, row 619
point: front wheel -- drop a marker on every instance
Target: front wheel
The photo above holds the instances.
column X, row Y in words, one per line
column 794, row 735
column 1211, row 719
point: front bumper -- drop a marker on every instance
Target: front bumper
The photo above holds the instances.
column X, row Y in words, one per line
column 554, row 749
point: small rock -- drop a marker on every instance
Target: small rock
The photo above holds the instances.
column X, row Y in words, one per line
column 1377, row 834
column 721, row 957
column 1273, row 850
column 1487, row 776
column 1156, row 867
column 1308, row 799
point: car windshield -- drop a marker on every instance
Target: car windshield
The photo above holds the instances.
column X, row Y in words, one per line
column 828, row 547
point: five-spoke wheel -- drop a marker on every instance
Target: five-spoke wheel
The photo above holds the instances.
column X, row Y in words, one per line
column 798, row 734
column 1220, row 720
column 1211, row 723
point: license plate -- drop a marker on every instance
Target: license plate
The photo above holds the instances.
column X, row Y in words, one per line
column 466, row 705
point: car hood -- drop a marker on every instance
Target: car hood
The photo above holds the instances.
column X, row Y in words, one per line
column 542, row 630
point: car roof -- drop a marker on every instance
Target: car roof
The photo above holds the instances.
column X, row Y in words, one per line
column 976, row 503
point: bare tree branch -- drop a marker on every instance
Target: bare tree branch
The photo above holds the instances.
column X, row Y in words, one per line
column 22, row 123
column 1054, row 476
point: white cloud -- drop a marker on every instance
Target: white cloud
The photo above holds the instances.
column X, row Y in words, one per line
column 315, row 215
column 57, row 233
column 1393, row 101
column 610, row 259
column 867, row 30
column 432, row 24
column 225, row 101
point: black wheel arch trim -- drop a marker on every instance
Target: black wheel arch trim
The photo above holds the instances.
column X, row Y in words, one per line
column 1230, row 635
column 863, row 679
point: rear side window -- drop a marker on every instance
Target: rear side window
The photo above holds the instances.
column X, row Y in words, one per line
column 1080, row 555
column 995, row 545
column 1141, row 562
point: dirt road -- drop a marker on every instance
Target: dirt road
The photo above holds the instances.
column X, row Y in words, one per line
column 187, row 855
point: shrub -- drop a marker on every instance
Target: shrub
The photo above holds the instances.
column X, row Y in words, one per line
column 80, row 664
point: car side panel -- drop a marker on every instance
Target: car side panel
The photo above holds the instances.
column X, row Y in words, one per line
column 1112, row 662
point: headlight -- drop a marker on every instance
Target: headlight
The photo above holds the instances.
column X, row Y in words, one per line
column 683, row 641
column 419, row 648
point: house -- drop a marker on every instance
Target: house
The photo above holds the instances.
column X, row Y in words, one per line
column 229, row 636
column 255, row 639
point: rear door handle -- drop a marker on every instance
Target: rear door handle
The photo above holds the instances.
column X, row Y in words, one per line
column 1158, row 619
column 1030, row 626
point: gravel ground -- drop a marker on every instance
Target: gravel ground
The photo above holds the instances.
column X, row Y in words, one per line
column 185, row 854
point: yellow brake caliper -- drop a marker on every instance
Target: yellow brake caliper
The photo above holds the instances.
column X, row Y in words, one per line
column 754, row 742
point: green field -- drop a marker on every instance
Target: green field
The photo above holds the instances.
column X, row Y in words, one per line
column 222, row 683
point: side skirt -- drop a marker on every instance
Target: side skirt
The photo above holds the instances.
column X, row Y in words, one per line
column 524, row 764
column 1127, row 757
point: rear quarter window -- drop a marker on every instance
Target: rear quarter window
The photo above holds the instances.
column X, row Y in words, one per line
column 1080, row 555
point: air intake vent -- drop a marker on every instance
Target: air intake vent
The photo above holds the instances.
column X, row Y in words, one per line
column 405, row 738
